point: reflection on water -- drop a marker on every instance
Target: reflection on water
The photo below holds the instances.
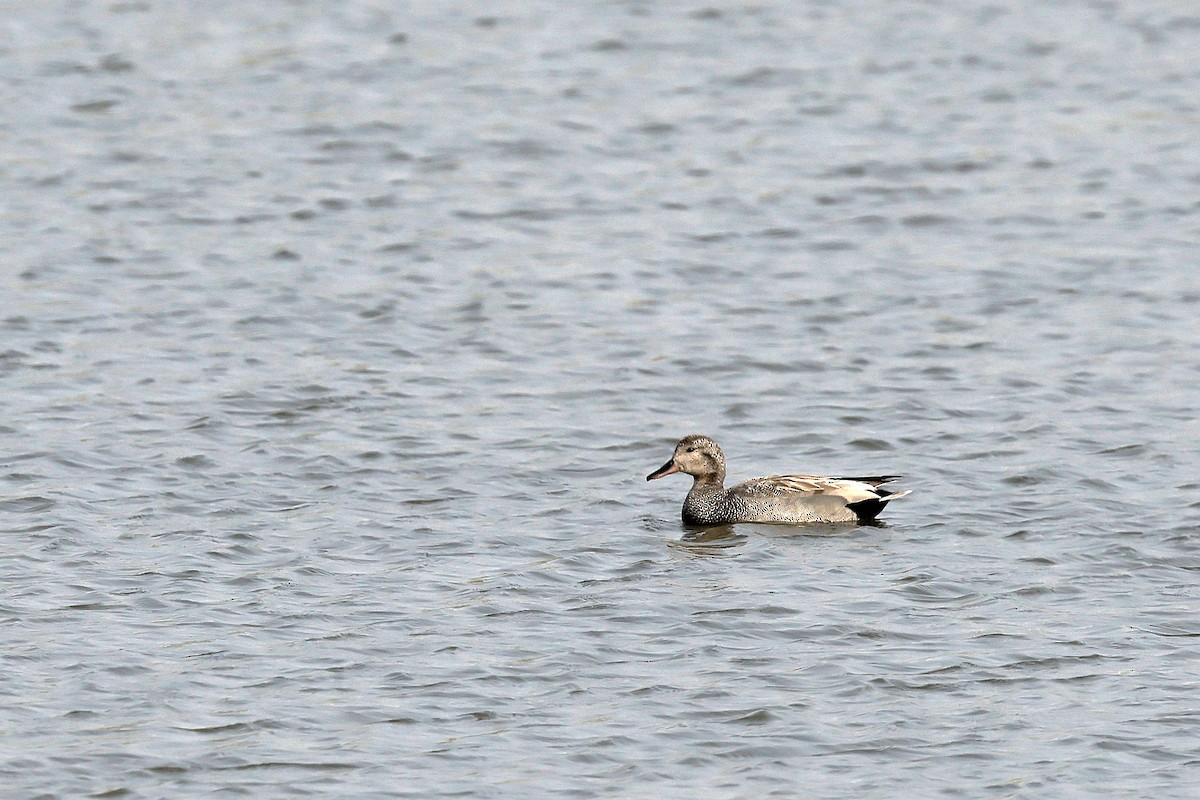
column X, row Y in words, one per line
column 714, row 540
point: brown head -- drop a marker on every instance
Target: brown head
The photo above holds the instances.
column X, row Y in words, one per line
column 695, row 455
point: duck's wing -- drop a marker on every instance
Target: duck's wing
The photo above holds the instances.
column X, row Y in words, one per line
column 851, row 490
column 874, row 480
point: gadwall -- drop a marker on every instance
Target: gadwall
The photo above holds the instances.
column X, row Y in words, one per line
column 779, row 498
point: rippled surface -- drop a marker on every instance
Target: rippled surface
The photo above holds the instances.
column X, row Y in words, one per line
column 337, row 343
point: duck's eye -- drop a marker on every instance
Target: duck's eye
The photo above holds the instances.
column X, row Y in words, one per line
column 691, row 449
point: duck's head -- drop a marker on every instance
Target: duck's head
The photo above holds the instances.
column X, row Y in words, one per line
column 695, row 455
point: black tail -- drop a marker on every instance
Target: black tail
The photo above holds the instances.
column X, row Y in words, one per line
column 868, row 510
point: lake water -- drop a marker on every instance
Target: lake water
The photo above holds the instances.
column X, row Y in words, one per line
column 338, row 339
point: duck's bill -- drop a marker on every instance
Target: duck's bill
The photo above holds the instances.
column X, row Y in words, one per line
column 665, row 469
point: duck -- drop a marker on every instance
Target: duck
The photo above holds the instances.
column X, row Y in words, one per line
column 789, row 499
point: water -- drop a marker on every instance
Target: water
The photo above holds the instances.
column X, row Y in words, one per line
column 337, row 343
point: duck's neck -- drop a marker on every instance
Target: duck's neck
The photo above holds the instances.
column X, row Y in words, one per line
column 708, row 483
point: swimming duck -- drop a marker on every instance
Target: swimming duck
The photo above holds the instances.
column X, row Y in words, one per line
column 778, row 498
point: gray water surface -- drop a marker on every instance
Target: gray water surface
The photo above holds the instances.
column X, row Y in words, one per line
column 336, row 341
